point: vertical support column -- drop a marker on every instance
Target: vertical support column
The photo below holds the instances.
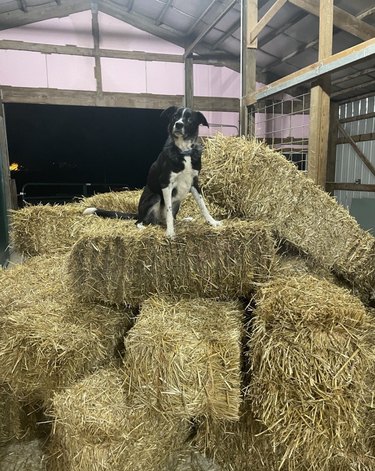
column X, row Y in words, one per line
column 332, row 141
column 96, row 37
column 189, row 83
column 5, row 190
column 248, row 59
column 320, row 102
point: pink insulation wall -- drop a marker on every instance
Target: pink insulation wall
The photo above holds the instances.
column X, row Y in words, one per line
column 33, row 69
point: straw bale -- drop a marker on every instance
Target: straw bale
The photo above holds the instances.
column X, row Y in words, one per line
column 46, row 229
column 48, row 339
column 253, row 181
column 310, row 353
column 100, row 427
column 184, row 357
column 117, row 263
column 22, row 456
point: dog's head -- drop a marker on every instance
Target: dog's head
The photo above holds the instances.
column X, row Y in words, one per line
column 183, row 122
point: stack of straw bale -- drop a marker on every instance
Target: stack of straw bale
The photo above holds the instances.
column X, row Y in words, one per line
column 48, row 339
column 100, row 427
column 43, row 230
column 310, row 355
column 250, row 180
column 183, row 357
column 115, row 262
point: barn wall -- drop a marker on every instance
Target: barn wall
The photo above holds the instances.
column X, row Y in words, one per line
column 67, row 72
column 349, row 167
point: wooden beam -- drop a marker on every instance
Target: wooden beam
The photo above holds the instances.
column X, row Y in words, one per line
column 189, row 83
column 332, row 143
column 49, row 96
column 273, row 34
column 23, row 6
column 345, row 78
column 189, row 49
column 320, row 102
column 248, row 76
column 342, row 19
column 342, row 59
column 266, row 18
column 4, row 159
column 358, row 117
column 332, row 186
column 13, row 19
column 229, row 32
column 86, row 51
column 96, row 38
column 129, row 8
column 368, row 12
column 357, row 138
column 200, row 18
column 356, row 149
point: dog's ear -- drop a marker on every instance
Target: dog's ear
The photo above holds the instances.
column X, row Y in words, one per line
column 169, row 112
column 202, row 119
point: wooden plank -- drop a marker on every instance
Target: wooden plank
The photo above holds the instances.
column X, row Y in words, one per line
column 357, row 150
column 160, row 18
column 342, row 59
column 266, row 18
column 331, row 186
column 248, row 76
column 86, row 51
column 357, row 138
column 96, row 38
column 4, row 160
column 358, row 117
column 13, row 19
column 189, row 83
column 341, row 18
column 111, row 99
column 332, row 142
column 189, row 49
column 320, row 103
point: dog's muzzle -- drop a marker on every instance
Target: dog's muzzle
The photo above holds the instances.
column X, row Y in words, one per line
column 178, row 128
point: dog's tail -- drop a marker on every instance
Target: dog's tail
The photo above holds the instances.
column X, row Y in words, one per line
column 104, row 213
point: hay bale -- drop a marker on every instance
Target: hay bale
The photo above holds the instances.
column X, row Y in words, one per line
column 98, row 426
column 22, row 456
column 310, row 354
column 184, row 357
column 253, row 181
column 44, row 230
column 48, row 339
column 117, row 263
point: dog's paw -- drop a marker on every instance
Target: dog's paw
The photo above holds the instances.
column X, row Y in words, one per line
column 170, row 234
column 188, row 219
column 215, row 223
column 89, row 211
column 140, row 226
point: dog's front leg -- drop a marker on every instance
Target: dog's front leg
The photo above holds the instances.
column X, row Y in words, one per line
column 167, row 196
column 195, row 190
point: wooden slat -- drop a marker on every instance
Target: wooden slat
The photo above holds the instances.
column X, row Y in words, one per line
column 331, row 186
column 112, row 99
column 96, row 38
column 357, row 138
column 357, row 118
column 333, row 122
column 189, row 83
column 356, row 149
column 342, row 19
column 335, row 62
column 266, row 18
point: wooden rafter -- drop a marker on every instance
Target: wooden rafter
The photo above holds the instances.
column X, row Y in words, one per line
column 273, row 34
column 23, row 5
column 198, row 39
column 228, row 33
column 341, row 18
column 266, row 18
column 200, row 17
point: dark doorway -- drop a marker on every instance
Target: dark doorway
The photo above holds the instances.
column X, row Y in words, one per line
column 110, row 148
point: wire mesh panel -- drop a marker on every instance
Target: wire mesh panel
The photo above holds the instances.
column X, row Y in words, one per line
column 284, row 125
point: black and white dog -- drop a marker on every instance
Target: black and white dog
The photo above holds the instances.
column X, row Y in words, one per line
column 172, row 176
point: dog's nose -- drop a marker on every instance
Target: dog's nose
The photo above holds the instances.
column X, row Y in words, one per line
column 179, row 125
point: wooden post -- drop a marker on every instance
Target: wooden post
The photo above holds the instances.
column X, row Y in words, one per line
column 332, row 142
column 189, row 83
column 248, row 72
column 320, row 102
column 96, row 37
column 5, row 191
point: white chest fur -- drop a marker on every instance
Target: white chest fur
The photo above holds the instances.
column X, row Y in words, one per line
column 182, row 181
